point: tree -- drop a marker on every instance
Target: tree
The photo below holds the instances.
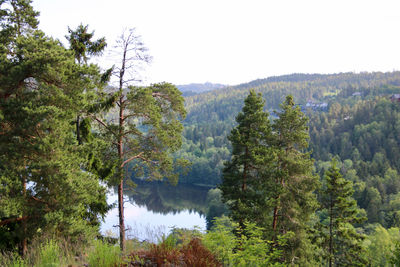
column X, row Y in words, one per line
column 269, row 179
column 294, row 199
column 41, row 173
column 342, row 242
column 240, row 178
column 146, row 125
column 81, row 43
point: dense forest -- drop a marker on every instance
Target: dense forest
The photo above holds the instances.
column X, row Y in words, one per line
column 211, row 115
column 303, row 168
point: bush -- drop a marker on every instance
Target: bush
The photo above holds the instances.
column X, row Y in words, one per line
column 245, row 247
column 181, row 248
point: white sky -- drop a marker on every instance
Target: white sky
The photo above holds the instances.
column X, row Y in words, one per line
column 231, row 42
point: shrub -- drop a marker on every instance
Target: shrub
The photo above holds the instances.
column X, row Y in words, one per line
column 197, row 255
column 246, row 246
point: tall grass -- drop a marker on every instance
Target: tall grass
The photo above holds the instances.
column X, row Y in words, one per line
column 11, row 260
column 50, row 255
column 60, row 253
column 104, row 255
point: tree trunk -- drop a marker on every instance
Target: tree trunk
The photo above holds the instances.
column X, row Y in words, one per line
column 121, row 214
column 245, row 169
column 275, row 219
column 24, row 248
column 121, row 182
column 78, row 136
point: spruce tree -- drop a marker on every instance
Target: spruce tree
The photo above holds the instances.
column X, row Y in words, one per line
column 342, row 243
column 82, row 44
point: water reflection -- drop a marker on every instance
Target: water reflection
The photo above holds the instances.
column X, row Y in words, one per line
column 158, row 207
column 163, row 198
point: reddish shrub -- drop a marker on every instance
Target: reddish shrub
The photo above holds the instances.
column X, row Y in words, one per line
column 193, row 254
column 197, row 255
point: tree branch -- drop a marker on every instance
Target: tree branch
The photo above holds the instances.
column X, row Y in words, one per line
column 11, row 220
column 105, row 125
column 132, row 158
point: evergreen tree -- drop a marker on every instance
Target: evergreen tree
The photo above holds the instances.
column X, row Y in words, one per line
column 148, row 126
column 242, row 177
column 81, row 43
column 43, row 185
column 342, row 242
column 294, row 199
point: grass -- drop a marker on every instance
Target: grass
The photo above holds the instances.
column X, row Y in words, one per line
column 104, row 255
column 182, row 247
column 60, row 253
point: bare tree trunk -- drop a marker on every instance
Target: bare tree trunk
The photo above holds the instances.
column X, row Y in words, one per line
column 121, row 182
column 121, row 214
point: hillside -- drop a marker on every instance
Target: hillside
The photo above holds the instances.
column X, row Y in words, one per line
column 197, row 88
column 211, row 114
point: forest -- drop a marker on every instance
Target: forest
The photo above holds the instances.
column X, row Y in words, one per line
column 297, row 170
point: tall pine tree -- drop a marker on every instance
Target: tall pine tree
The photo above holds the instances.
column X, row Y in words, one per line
column 242, row 177
column 147, row 126
column 294, row 199
column 41, row 173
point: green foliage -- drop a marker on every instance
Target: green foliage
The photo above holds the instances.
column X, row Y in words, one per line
column 269, row 179
column 46, row 187
column 366, row 136
column 294, row 198
column 104, row 255
column 246, row 247
column 241, row 177
column 215, row 206
column 395, row 259
column 212, row 114
column 382, row 246
column 342, row 243
column 81, row 43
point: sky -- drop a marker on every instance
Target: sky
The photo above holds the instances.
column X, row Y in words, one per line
column 233, row 42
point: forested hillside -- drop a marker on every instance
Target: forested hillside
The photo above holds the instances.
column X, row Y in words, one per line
column 196, row 88
column 211, row 115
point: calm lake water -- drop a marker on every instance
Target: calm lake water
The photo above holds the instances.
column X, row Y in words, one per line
column 154, row 208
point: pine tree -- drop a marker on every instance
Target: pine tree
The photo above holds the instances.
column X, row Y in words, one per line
column 294, row 199
column 147, row 126
column 41, row 173
column 342, row 242
column 242, row 177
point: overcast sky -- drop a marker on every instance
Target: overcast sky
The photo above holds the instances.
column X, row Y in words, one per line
column 232, row 42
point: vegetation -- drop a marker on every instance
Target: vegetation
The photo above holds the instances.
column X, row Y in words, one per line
column 340, row 240
column 44, row 185
column 147, row 127
column 66, row 133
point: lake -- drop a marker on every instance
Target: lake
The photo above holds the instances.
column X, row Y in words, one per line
column 154, row 208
